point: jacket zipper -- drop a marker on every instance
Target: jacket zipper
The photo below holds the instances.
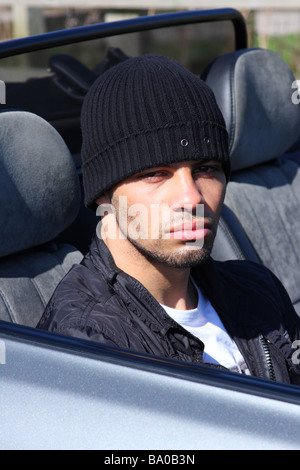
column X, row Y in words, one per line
column 266, row 349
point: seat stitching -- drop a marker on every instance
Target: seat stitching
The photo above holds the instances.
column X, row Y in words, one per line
column 8, row 307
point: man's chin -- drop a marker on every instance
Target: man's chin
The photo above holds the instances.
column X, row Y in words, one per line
column 189, row 260
column 187, row 256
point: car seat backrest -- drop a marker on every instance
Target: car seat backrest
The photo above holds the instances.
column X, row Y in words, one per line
column 254, row 90
column 40, row 197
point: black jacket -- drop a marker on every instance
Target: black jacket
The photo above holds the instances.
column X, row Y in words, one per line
column 99, row 302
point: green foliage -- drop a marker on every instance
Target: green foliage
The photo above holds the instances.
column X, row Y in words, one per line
column 288, row 47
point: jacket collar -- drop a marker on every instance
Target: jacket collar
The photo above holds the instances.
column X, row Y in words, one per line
column 206, row 275
column 103, row 260
column 212, row 278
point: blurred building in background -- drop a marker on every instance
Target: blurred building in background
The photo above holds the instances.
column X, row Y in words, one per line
column 273, row 24
column 20, row 18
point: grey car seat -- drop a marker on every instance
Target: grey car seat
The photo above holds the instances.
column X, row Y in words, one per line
column 261, row 218
column 40, row 197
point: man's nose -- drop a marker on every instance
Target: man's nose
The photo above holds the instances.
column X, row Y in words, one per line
column 186, row 191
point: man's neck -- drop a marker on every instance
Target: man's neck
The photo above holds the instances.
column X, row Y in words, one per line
column 169, row 286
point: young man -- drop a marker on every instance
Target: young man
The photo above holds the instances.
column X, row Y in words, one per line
column 155, row 167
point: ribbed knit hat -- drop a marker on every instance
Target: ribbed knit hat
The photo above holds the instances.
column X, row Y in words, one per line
column 145, row 112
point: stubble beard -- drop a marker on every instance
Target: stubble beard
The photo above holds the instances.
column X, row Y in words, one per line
column 180, row 259
column 187, row 255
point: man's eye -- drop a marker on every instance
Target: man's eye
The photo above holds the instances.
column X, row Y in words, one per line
column 205, row 169
column 208, row 169
column 151, row 175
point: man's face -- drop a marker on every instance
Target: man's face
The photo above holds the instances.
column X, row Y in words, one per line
column 170, row 214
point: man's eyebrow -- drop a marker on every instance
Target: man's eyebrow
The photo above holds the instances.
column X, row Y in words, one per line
column 200, row 161
column 206, row 161
column 195, row 163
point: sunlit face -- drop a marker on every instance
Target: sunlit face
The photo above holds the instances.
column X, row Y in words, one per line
column 170, row 214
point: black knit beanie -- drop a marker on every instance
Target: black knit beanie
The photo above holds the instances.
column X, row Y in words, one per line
column 145, row 112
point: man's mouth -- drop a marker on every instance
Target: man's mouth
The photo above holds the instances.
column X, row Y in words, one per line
column 190, row 230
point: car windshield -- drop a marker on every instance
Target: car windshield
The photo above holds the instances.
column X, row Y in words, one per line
column 196, row 46
column 45, row 82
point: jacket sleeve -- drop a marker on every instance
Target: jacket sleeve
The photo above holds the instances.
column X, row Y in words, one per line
column 91, row 333
column 291, row 324
column 73, row 313
column 290, row 318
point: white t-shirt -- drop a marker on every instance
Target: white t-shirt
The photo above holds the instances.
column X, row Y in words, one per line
column 204, row 323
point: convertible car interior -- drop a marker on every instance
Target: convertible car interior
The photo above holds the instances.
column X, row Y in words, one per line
column 46, row 227
column 41, row 197
column 63, row 392
column 261, row 220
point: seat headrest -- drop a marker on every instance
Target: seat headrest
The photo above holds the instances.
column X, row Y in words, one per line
column 39, row 187
column 253, row 88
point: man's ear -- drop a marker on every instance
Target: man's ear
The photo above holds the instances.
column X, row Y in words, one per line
column 106, row 228
column 103, row 199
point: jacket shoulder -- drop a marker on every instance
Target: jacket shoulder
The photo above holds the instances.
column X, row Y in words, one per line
column 256, row 284
column 248, row 272
column 78, row 295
